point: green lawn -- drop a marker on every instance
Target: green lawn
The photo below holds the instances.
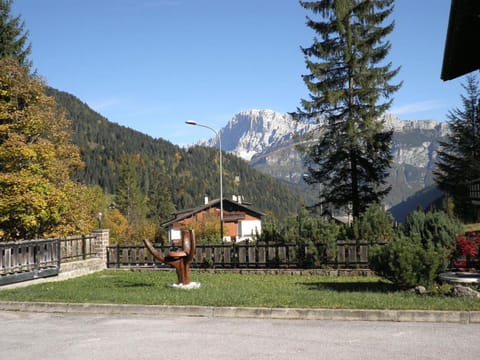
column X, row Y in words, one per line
column 472, row 227
column 226, row 289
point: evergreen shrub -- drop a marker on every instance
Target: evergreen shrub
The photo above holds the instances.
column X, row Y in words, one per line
column 315, row 237
column 434, row 227
column 419, row 251
column 406, row 262
column 375, row 225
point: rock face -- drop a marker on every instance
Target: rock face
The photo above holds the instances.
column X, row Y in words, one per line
column 254, row 132
column 268, row 139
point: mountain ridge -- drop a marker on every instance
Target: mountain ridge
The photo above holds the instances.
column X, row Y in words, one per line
column 267, row 140
column 188, row 173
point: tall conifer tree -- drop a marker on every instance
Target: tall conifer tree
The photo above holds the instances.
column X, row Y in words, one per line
column 459, row 158
column 13, row 36
column 350, row 89
column 130, row 199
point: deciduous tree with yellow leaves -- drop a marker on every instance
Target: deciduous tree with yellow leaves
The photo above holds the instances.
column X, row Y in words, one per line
column 37, row 196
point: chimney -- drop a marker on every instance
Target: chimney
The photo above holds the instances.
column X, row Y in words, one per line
column 237, row 198
column 206, row 200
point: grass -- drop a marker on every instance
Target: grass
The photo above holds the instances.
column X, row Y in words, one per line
column 472, row 227
column 227, row 289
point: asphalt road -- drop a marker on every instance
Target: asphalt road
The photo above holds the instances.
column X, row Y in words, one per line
column 28, row 335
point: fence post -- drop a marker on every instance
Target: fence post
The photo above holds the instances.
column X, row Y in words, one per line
column 118, row 256
column 36, row 259
column 84, row 248
column 102, row 240
column 234, row 255
column 59, row 255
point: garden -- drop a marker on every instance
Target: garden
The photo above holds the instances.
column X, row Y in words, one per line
column 403, row 258
column 242, row 290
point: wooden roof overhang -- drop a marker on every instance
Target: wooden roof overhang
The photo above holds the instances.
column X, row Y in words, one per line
column 462, row 48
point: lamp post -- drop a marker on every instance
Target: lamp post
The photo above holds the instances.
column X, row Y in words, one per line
column 99, row 218
column 194, row 123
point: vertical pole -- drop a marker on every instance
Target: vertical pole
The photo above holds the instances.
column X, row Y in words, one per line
column 221, row 187
column 59, row 255
column 84, row 248
column 194, row 123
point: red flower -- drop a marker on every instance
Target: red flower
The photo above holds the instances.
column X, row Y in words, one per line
column 467, row 246
column 466, row 249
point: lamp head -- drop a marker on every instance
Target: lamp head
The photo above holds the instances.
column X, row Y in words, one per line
column 191, row 122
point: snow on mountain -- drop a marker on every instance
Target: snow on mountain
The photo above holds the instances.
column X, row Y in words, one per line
column 253, row 132
column 266, row 139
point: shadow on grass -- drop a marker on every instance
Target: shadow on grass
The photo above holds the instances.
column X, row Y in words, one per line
column 374, row 286
column 130, row 284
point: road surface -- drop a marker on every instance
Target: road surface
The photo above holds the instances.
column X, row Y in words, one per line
column 28, row 335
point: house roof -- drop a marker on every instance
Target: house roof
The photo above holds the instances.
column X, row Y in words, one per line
column 228, row 205
column 462, row 53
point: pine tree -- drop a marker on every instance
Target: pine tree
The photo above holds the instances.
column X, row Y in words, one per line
column 160, row 204
column 13, row 36
column 458, row 160
column 130, row 199
column 349, row 85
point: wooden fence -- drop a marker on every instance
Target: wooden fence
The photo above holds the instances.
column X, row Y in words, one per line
column 77, row 248
column 27, row 260
column 347, row 254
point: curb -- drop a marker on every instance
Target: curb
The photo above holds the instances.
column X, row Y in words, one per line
column 461, row 317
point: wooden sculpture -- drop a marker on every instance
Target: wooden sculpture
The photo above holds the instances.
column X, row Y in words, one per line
column 178, row 257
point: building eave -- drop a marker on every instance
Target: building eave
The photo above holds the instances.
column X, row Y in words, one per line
column 462, row 53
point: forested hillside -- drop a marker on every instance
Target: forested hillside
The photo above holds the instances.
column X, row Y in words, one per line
column 189, row 174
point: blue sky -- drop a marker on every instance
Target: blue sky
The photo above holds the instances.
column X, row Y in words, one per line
column 153, row 64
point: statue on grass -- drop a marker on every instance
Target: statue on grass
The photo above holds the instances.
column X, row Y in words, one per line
column 179, row 257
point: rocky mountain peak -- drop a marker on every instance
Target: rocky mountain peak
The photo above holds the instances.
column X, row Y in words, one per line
column 252, row 132
column 393, row 122
column 266, row 139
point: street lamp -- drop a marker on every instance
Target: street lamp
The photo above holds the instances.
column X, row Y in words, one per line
column 194, row 123
column 99, row 218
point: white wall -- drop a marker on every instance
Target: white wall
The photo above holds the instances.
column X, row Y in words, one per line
column 248, row 228
column 174, row 235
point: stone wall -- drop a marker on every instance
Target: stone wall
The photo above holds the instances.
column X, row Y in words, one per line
column 79, row 268
column 97, row 263
column 101, row 244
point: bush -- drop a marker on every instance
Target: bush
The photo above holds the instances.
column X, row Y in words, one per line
column 375, row 225
column 407, row 262
column 316, row 238
column 467, row 251
column 434, row 226
column 271, row 232
column 437, row 228
column 422, row 249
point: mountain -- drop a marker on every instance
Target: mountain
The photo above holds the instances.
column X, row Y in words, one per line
column 264, row 140
column 268, row 139
column 189, row 173
column 426, row 198
column 250, row 133
column 415, row 146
